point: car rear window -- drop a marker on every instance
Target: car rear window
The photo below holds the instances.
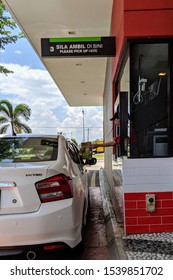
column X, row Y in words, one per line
column 28, row 149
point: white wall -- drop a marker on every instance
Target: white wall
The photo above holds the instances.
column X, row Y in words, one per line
column 148, row 175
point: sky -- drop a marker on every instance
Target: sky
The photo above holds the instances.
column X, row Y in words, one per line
column 32, row 85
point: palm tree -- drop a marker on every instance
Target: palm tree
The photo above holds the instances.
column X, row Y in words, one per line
column 11, row 116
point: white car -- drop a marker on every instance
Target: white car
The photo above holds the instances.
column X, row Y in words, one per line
column 43, row 194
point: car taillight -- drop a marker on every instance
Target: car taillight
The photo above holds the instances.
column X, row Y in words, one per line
column 54, row 188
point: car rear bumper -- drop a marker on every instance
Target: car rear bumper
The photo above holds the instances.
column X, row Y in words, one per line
column 54, row 222
column 32, row 251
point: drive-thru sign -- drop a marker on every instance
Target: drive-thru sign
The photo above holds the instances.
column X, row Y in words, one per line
column 78, row 46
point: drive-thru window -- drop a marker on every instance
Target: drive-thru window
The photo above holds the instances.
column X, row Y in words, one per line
column 146, row 109
column 149, row 107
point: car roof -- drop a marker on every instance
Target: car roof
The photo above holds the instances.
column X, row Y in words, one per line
column 28, row 135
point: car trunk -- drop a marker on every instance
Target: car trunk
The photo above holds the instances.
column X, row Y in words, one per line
column 18, row 193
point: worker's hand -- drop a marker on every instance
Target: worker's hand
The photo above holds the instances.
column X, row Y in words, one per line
column 117, row 140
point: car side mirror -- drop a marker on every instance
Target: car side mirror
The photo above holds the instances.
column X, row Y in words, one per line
column 91, row 161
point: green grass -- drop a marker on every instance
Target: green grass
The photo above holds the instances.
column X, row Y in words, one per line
column 100, row 155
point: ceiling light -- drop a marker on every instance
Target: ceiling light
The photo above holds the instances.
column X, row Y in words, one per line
column 162, row 74
column 78, row 64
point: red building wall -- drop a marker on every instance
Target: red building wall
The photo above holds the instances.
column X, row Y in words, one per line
column 138, row 220
column 139, row 19
column 147, row 5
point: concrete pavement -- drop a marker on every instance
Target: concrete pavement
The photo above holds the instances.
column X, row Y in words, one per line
column 113, row 228
column 95, row 235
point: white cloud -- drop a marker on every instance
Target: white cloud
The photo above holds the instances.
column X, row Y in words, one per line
column 50, row 111
column 92, row 119
column 18, row 52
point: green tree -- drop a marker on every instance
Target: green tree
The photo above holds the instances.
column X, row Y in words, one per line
column 11, row 117
column 7, row 27
column 74, row 141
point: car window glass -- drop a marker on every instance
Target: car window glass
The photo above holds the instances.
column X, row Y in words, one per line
column 28, row 149
column 74, row 153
